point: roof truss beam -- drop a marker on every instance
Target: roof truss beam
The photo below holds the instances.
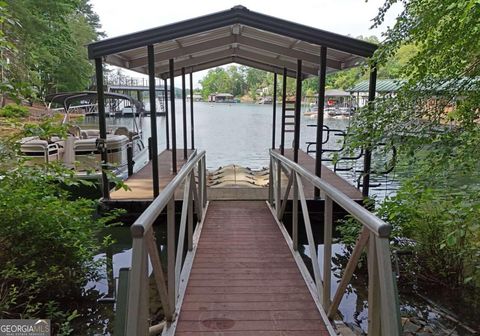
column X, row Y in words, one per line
column 244, row 54
column 312, row 71
column 229, row 40
column 228, row 60
column 184, row 51
column 196, row 61
column 296, row 54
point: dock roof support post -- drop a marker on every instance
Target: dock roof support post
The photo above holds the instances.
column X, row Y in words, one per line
column 321, row 105
column 367, row 160
column 172, row 108
column 167, row 125
column 284, row 106
column 103, row 127
column 298, row 107
column 153, row 119
column 184, row 106
column 274, row 103
column 192, row 128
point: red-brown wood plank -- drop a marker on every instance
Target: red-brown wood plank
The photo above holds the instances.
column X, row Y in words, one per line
column 244, row 280
column 140, row 183
column 308, row 162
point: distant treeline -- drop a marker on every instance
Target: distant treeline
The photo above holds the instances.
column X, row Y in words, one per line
column 42, row 45
column 245, row 81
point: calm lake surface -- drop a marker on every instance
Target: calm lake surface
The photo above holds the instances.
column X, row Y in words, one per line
column 230, row 133
column 242, row 134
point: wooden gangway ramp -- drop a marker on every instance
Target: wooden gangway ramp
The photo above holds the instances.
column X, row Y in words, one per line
column 244, row 279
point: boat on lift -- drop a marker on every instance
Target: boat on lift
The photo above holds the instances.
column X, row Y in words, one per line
column 80, row 149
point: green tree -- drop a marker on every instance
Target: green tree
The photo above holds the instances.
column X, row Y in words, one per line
column 50, row 38
column 47, row 245
column 8, row 51
column 256, row 79
column 237, row 81
column 433, row 120
column 215, row 81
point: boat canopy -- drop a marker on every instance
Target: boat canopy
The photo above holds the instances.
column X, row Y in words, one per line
column 237, row 35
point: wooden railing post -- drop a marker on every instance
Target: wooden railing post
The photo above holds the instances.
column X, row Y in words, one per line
column 327, row 251
column 196, row 194
column 390, row 316
column 172, row 295
column 279, row 188
column 120, row 321
column 204, row 185
column 137, row 316
column 270, row 183
column 190, row 213
column 144, row 315
column 373, row 289
column 295, row 212
column 275, row 184
column 201, row 176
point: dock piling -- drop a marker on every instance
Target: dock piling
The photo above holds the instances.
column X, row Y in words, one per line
column 184, row 110
column 320, row 111
column 172, row 105
column 102, row 126
column 153, row 119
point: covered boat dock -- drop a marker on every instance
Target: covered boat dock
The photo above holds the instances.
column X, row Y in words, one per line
column 238, row 36
column 239, row 271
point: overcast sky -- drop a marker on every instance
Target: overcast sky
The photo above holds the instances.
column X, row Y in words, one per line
column 347, row 17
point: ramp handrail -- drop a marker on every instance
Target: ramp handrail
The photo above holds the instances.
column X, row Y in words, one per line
column 144, row 246
column 383, row 309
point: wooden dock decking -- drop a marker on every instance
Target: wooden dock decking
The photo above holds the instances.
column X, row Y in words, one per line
column 140, row 182
column 308, row 162
column 244, row 280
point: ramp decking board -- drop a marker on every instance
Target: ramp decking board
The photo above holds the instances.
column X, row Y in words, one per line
column 244, row 280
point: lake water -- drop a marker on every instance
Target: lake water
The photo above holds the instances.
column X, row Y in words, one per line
column 230, row 133
column 242, row 134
